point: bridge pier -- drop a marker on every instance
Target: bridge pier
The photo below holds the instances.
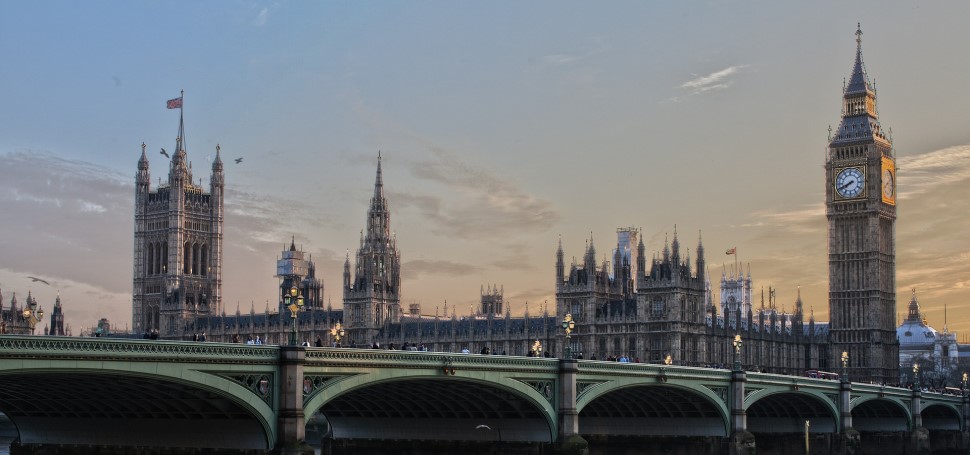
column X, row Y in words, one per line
column 742, row 441
column 291, row 424
column 919, row 438
column 848, row 440
column 569, row 439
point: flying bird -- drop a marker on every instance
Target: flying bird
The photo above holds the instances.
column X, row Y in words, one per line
column 35, row 279
column 163, row 152
column 483, row 426
column 238, row 160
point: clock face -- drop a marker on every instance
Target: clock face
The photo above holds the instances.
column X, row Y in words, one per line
column 888, row 185
column 850, row 182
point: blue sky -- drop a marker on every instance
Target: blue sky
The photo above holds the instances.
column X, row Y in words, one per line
column 503, row 126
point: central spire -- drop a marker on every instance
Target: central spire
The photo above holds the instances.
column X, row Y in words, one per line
column 859, row 81
column 379, row 181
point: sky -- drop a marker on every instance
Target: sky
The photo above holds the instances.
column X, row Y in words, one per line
column 503, row 126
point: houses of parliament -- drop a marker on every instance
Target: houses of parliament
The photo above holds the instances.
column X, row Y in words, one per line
column 639, row 305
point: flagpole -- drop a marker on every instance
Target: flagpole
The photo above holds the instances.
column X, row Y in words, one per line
column 181, row 117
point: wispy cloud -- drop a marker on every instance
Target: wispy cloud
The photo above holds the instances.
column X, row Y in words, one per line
column 262, row 17
column 920, row 173
column 480, row 203
column 718, row 80
column 413, row 269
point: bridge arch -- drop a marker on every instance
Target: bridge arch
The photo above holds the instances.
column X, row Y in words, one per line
column 426, row 404
column 880, row 414
column 652, row 409
column 120, row 404
column 941, row 416
column 785, row 411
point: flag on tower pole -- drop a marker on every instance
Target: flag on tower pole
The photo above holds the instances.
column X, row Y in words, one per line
column 732, row 251
column 174, row 103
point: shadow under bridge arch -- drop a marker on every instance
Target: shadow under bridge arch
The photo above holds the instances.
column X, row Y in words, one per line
column 786, row 412
column 652, row 410
column 125, row 409
column 443, row 409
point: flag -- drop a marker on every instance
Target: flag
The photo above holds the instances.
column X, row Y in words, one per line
column 174, row 103
column 732, row 251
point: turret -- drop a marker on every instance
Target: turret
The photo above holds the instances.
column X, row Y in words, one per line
column 701, row 266
column 641, row 258
column 675, row 249
column 560, row 265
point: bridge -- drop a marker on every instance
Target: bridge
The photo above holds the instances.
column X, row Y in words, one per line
column 143, row 393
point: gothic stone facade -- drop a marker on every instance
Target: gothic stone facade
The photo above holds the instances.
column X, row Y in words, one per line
column 178, row 246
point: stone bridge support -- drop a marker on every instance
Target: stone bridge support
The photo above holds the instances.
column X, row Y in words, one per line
column 919, row 438
column 965, row 431
column 848, row 439
column 569, row 439
column 742, row 442
column 291, row 425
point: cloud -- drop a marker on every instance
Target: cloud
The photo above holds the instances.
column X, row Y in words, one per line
column 479, row 204
column 261, row 17
column 68, row 216
column 921, row 173
column 413, row 269
column 717, row 80
column 560, row 59
column 516, row 259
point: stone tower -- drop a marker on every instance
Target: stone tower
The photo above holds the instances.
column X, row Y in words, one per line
column 178, row 245
column 295, row 267
column 372, row 296
column 860, row 197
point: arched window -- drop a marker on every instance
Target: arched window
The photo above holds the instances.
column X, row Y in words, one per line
column 186, row 257
column 163, row 259
column 150, row 260
column 195, row 259
column 205, row 260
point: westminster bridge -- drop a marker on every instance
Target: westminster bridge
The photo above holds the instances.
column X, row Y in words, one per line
column 96, row 392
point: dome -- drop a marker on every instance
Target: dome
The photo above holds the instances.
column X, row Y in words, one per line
column 913, row 333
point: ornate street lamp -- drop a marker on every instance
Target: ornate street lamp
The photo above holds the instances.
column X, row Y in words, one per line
column 294, row 301
column 537, row 348
column 33, row 315
column 845, row 364
column 916, row 376
column 337, row 332
column 737, row 352
column 568, row 325
column 668, row 360
column 964, row 381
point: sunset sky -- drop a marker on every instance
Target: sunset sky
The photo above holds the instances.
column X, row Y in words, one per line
column 502, row 125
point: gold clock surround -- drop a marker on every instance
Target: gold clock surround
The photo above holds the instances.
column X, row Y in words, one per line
column 887, row 181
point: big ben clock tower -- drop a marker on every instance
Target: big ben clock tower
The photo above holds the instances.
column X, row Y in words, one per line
column 860, row 199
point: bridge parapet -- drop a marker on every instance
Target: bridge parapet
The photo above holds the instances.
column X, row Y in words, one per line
column 33, row 347
column 382, row 358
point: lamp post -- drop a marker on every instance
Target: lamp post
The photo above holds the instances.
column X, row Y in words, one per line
column 568, row 325
column 33, row 315
column 916, row 376
column 845, row 364
column 337, row 332
column 964, row 381
column 294, row 301
column 737, row 352
column 537, row 348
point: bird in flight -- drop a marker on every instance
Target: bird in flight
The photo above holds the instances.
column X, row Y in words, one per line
column 35, row 279
column 163, row 152
column 238, row 160
column 483, row 426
